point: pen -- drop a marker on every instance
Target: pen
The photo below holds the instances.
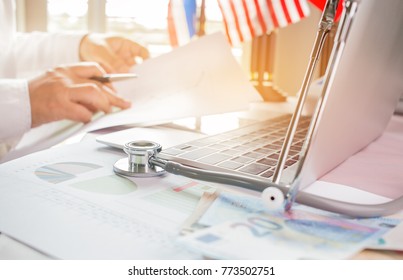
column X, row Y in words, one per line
column 108, row 78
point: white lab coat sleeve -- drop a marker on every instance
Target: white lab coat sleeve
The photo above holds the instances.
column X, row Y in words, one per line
column 37, row 52
column 15, row 113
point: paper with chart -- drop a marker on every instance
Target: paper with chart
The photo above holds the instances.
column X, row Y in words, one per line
column 242, row 229
column 68, row 203
column 200, row 78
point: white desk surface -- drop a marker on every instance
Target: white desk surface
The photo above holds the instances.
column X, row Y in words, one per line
column 12, row 249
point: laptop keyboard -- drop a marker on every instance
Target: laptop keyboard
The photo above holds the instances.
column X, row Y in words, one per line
column 253, row 149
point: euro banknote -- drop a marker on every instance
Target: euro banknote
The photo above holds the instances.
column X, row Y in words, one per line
column 240, row 228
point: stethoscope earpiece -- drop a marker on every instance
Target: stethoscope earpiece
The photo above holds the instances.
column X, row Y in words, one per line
column 273, row 198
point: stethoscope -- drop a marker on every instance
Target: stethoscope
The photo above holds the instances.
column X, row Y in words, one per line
column 143, row 160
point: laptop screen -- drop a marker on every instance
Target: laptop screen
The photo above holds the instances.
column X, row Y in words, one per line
column 364, row 89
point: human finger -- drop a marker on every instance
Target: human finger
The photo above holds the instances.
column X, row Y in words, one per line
column 110, row 93
column 91, row 96
column 110, row 86
column 78, row 112
column 81, row 72
column 115, row 100
column 87, row 69
column 138, row 50
column 115, row 64
column 130, row 61
column 108, row 68
column 84, row 73
column 127, row 49
column 101, row 85
column 131, row 50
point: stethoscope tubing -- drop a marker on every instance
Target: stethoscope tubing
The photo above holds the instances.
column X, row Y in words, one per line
column 356, row 210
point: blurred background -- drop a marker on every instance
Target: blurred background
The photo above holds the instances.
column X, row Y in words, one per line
column 146, row 23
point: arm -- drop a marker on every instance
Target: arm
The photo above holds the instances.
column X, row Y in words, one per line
column 66, row 92
column 113, row 53
column 15, row 117
column 37, row 52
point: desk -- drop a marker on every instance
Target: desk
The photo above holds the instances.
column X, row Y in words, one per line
column 11, row 249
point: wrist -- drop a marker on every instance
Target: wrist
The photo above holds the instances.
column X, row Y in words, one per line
column 82, row 47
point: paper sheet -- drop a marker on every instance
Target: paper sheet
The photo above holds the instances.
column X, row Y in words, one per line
column 68, row 203
column 197, row 79
column 43, row 137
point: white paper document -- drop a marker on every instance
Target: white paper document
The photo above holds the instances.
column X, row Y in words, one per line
column 200, row 78
column 68, row 203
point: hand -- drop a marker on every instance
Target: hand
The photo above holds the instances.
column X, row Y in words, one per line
column 115, row 54
column 67, row 92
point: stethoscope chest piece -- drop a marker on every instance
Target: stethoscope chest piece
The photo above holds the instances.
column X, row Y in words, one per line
column 137, row 163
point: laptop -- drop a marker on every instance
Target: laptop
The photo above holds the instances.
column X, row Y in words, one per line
column 360, row 101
